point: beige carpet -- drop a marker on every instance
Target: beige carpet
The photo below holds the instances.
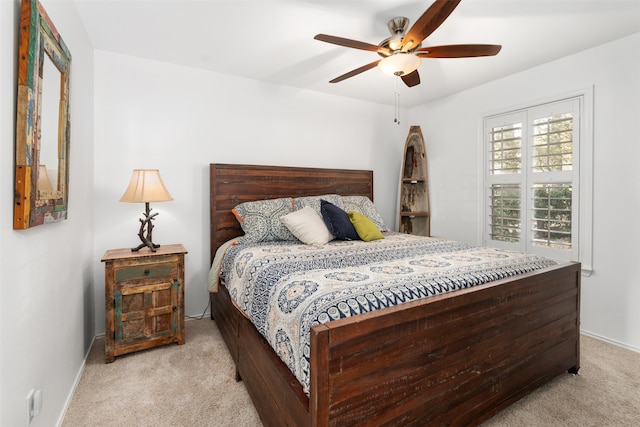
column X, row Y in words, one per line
column 172, row 385
column 193, row 385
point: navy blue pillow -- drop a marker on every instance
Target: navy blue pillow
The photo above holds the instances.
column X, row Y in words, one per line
column 337, row 221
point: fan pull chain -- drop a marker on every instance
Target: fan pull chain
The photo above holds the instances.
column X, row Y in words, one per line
column 396, row 95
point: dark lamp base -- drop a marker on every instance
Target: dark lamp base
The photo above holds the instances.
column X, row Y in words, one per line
column 152, row 247
column 146, row 228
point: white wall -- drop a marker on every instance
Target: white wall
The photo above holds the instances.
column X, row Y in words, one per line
column 151, row 114
column 610, row 297
column 46, row 290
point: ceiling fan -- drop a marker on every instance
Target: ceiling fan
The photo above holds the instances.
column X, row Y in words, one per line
column 402, row 52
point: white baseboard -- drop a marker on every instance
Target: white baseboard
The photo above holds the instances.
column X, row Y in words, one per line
column 75, row 384
column 610, row 341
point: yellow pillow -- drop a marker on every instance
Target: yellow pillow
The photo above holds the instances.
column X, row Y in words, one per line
column 366, row 229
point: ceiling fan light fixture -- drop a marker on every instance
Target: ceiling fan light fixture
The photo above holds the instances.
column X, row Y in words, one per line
column 395, row 42
column 400, row 64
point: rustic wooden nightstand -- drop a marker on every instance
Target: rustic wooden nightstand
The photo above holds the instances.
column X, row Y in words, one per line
column 144, row 299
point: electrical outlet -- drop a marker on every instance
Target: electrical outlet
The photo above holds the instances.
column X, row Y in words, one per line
column 30, row 406
column 37, row 402
column 34, row 404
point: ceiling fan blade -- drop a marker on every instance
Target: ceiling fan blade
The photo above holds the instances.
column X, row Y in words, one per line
column 430, row 20
column 341, row 41
column 355, row 72
column 412, row 79
column 458, row 51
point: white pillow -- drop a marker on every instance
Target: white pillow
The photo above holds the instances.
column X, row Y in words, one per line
column 308, row 226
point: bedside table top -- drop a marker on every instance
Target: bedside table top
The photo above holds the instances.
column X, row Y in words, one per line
column 124, row 253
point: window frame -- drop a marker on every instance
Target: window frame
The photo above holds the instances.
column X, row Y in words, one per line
column 582, row 250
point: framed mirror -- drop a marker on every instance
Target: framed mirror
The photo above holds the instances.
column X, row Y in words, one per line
column 43, row 124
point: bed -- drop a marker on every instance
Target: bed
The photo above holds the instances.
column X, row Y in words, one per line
column 449, row 359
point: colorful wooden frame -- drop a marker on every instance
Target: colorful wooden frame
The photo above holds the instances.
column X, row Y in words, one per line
column 39, row 39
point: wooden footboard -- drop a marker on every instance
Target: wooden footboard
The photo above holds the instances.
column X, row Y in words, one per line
column 453, row 359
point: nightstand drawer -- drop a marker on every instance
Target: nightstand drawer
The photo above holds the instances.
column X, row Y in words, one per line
column 137, row 272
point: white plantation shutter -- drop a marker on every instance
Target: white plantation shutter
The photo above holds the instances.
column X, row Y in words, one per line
column 531, row 180
column 504, row 180
column 553, row 179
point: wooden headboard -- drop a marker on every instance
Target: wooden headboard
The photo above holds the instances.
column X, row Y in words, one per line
column 230, row 185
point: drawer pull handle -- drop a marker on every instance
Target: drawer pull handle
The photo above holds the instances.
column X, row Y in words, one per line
column 146, row 272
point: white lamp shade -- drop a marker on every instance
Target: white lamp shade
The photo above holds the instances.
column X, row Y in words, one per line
column 400, row 64
column 146, row 186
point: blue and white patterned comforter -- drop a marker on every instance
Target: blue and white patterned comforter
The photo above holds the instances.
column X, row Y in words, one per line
column 285, row 288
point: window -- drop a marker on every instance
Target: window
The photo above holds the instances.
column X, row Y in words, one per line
column 533, row 179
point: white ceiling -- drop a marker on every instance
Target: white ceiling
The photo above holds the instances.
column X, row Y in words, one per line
column 272, row 40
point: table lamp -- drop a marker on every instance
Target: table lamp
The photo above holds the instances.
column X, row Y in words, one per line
column 146, row 186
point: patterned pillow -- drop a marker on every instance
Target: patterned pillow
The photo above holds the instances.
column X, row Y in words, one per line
column 260, row 220
column 337, row 221
column 314, row 202
column 307, row 225
column 364, row 205
column 366, row 229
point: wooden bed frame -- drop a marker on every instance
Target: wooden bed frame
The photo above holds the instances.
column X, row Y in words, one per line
column 452, row 359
